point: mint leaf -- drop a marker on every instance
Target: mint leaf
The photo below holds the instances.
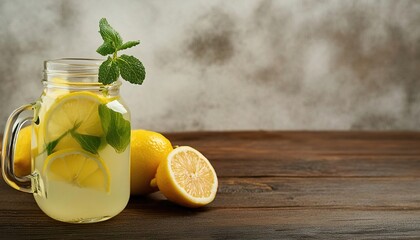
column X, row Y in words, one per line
column 119, row 137
column 87, row 142
column 108, row 72
column 109, row 34
column 105, row 116
column 105, row 49
column 51, row 145
column 116, row 128
column 131, row 69
column 129, row 44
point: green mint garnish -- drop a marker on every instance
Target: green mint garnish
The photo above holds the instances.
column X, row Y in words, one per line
column 87, row 142
column 130, row 68
column 108, row 71
column 51, row 145
column 117, row 130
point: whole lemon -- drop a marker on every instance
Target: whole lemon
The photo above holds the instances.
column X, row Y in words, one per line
column 22, row 155
column 148, row 149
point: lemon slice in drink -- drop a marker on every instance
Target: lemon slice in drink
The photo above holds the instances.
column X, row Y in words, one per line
column 78, row 168
column 186, row 177
column 70, row 110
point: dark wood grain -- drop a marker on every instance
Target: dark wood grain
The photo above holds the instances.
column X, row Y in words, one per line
column 336, row 154
column 272, row 185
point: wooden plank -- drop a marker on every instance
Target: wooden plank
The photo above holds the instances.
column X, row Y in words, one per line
column 253, row 144
column 331, row 154
column 320, row 193
column 360, row 193
column 328, row 193
column 270, row 223
column 316, row 166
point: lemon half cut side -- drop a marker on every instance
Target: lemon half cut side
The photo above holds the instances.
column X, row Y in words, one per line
column 187, row 178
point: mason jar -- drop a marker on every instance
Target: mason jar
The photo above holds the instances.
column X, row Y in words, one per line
column 80, row 157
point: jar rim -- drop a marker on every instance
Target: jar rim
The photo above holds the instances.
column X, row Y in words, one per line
column 76, row 72
column 72, row 64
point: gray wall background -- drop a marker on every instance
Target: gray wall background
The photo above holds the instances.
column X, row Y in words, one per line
column 229, row 65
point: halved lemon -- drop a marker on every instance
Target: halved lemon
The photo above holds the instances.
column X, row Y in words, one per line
column 78, row 168
column 70, row 110
column 186, row 177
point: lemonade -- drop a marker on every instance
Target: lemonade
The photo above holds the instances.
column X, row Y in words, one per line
column 82, row 171
column 66, row 201
column 80, row 153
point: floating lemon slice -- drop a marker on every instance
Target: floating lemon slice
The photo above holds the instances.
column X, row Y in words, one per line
column 70, row 110
column 78, row 168
column 186, row 177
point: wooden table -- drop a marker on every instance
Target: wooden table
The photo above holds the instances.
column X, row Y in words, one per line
column 273, row 185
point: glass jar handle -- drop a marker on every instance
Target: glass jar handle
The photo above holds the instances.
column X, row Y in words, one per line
column 13, row 126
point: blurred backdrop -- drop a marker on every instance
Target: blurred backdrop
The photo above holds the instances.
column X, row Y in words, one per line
column 230, row 65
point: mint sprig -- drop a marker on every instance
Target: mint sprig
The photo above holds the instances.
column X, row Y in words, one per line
column 130, row 68
column 117, row 130
column 51, row 145
column 87, row 142
column 108, row 71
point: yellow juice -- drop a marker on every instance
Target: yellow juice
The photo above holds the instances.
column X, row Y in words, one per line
column 81, row 173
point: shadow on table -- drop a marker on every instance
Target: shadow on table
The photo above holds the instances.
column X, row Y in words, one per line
column 156, row 203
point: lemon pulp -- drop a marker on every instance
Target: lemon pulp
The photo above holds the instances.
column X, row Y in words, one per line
column 78, row 111
column 192, row 174
column 186, row 177
column 78, row 168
